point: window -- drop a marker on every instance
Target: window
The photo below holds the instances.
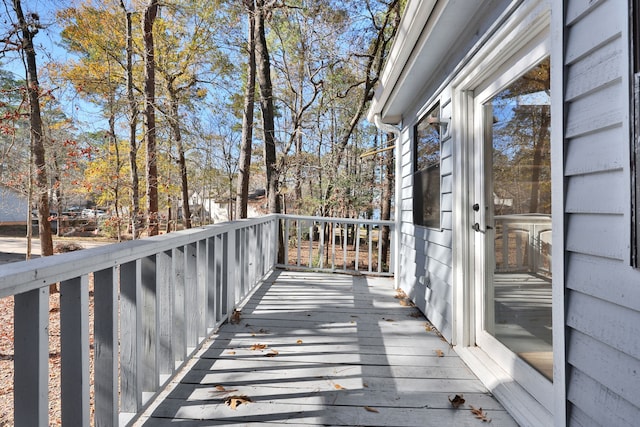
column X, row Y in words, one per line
column 635, row 131
column 426, row 178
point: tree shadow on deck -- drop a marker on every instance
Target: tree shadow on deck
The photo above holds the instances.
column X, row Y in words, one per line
column 323, row 349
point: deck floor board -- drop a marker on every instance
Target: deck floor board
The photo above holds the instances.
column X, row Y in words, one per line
column 320, row 349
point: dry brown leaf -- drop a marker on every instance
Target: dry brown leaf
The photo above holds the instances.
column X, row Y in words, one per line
column 234, row 401
column 220, row 388
column 439, row 353
column 416, row 315
column 258, row 347
column 339, row 387
column 480, row 414
column 299, row 342
column 370, row 409
column 457, row 401
column 272, row 353
column 365, row 385
column 235, row 316
column 231, row 352
column 389, row 320
column 428, row 327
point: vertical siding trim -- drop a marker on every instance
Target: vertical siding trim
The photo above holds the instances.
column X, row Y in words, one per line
column 558, row 190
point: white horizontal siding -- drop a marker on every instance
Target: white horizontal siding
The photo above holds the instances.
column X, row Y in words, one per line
column 596, row 152
column 426, row 255
column 603, row 291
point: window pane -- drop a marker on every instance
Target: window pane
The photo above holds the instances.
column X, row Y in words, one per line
column 426, row 207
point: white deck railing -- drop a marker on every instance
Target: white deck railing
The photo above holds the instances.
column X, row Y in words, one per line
column 338, row 244
column 155, row 301
column 523, row 244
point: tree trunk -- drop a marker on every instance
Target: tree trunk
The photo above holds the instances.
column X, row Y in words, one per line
column 29, row 30
column 266, row 106
column 150, row 14
column 133, row 125
column 387, row 196
column 244, row 163
column 182, row 161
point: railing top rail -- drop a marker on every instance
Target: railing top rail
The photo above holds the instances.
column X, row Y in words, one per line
column 337, row 220
column 24, row 276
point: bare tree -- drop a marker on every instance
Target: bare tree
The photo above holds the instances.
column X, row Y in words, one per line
column 244, row 164
column 28, row 28
column 150, row 13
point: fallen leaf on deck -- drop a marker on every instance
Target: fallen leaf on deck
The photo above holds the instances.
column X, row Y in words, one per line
column 231, row 352
column 479, row 414
column 365, row 385
column 220, row 388
column 428, row 327
column 235, row 316
column 339, row 387
column 389, row 320
column 234, row 401
column 457, row 401
column 416, row 315
column 272, row 353
column 439, row 353
column 370, row 409
column 258, row 347
column 299, row 342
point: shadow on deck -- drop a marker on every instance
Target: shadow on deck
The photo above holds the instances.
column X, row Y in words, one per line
column 325, row 349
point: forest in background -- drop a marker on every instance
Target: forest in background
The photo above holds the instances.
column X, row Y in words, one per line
column 145, row 109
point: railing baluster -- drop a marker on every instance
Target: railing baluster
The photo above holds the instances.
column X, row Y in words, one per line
column 211, row 284
column 150, row 373
column 166, row 363
column 179, row 328
column 74, row 351
column 321, row 246
column 31, row 358
column 357, row 237
column 333, row 245
column 345, row 238
column 370, row 246
column 287, row 236
column 191, row 297
column 379, row 249
column 130, row 338
column 202, row 289
column 299, row 239
column 311, row 223
column 220, row 254
column 105, row 344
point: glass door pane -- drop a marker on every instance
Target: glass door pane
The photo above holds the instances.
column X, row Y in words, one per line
column 518, row 216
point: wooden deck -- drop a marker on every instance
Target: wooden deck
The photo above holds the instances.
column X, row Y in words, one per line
column 323, row 349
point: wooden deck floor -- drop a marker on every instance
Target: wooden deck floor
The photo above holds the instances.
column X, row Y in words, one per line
column 322, row 349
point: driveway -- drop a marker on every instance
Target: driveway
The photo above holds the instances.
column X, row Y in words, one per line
column 13, row 249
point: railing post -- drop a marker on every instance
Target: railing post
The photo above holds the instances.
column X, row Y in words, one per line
column 74, row 351
column 105, row 308
column 31, row 358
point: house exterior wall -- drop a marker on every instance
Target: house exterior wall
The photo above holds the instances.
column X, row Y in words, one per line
column 596, row 291
column 602, row 289
column 426, row 256
column 13, row 207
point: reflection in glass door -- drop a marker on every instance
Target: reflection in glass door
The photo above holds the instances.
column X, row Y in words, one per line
column 517, row 194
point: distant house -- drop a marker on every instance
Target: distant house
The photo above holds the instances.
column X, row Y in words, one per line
column 518, row 188
column 217, row 210
column 13, row 206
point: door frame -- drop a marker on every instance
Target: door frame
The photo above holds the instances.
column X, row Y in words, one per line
column 522, row 27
